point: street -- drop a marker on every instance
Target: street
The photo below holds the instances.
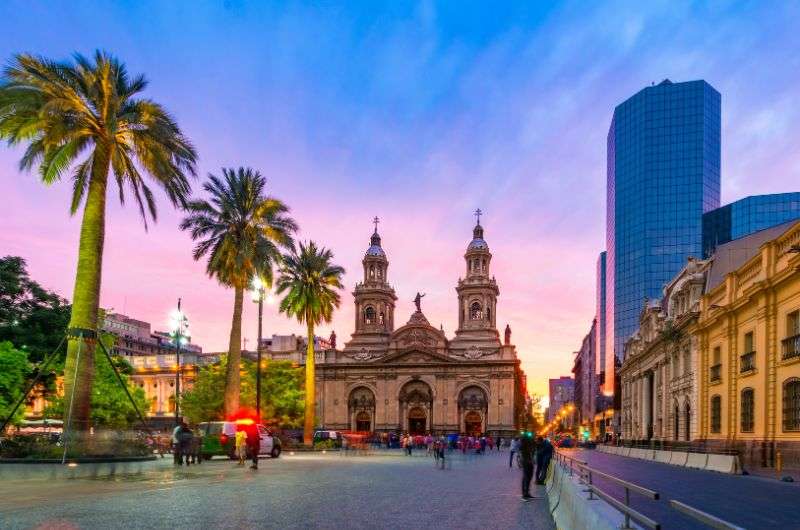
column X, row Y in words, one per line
column 748, row 501
column 384, row 490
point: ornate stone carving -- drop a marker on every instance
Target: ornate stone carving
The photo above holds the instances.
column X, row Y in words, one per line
column 363, row 355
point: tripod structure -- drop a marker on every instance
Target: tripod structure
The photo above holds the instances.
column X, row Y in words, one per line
column 83, row 335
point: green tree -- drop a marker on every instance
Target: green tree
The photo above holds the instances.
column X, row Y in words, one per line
column 281, row 396
column 31, row 317
column 205, row 401
column 14, row 370
column 310, row 281
column 241, row 230
column 110, row 405
column 84, row 118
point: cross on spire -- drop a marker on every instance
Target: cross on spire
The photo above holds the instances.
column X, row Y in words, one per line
column 478, row 214
column 375, row 222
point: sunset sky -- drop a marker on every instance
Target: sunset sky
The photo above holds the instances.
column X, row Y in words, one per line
column 418, row 113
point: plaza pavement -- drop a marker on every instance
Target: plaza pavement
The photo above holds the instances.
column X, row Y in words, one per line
column 755, row 503
column 386, row 490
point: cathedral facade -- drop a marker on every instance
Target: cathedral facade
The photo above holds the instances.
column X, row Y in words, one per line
column 413, row 378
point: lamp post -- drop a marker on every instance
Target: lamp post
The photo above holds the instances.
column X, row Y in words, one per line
column 179, row 326
column 258, row 293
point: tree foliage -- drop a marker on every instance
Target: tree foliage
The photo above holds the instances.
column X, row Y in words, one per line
column 282, row 393
column 111, row 407
column 31, row 317
column 14, row 370
column 240, row 229
column 310, row 281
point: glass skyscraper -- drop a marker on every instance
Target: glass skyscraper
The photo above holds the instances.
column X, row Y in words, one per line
column 748, row 215
column 663, row 167
column 600, row 316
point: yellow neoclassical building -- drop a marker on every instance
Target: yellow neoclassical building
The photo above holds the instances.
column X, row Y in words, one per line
column 749, row 344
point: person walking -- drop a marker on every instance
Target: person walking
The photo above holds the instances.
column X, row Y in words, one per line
column 176, row 444
column 253, row 444
column 185, row 436
column 240, row 445
column 514, row 450
column 526, row 449
column 544, row 453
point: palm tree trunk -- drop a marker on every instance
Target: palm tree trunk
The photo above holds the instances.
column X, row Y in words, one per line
column 79, row 369
column 308, row 421
column 232, row 377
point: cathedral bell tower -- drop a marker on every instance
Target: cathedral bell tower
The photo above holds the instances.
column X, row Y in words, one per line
column 477, row 297
column 374, row 299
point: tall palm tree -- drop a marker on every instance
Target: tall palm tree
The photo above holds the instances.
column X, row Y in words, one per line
column 241, row 231
column 310, row 281
column 85, row 119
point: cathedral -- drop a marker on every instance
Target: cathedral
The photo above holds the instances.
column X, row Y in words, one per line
column 414, row 378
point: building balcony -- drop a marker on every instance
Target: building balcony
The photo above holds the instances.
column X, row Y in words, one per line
column 716, row 373
column 790, row 347
column 747, row 362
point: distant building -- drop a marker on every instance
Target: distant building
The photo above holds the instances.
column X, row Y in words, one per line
column 562, row 392
column 663, row 168
column 586, row 380
column 293, row 348
column 153, row 357
column 600, row 325
column 659, row 376
column 746, row 216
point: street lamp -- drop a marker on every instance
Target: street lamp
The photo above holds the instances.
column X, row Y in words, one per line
column 179, row 330
column 258, row 293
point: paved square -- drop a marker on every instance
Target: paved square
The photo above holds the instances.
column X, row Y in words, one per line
column 385, row 490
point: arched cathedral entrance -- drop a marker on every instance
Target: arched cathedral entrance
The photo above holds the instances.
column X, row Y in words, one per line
column 416, row 407
column 473, row 406
column 361, row 406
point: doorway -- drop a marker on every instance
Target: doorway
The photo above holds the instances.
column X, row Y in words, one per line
column 417, row 420
column 363, row 422
column 473, row 424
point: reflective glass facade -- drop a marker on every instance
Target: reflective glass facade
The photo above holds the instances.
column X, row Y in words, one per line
column 600, row 314
column 748, row 215
column 663, row 167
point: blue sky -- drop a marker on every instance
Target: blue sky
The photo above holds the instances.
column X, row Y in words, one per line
column 419, row 113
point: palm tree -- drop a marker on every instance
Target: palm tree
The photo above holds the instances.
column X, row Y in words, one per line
column 84, row 119
column 240, row 229
column 310, row 281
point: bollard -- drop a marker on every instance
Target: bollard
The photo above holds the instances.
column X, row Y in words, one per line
column 778, row 461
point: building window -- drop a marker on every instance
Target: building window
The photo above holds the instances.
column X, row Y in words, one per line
column 791, row 344
column 716, row 366
column 791, row 405
column 475, row 311
column 369, row 315
column 371, row 271
column 687, row 361
column 381, row 318
column 748, row 408
column 716, row 414
column 687, row 433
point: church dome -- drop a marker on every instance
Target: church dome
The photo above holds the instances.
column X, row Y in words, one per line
column 375, row 248
column 477, row 243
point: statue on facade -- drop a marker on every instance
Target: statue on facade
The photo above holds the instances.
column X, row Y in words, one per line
column 508, row 335
column 333, row 339
column 418, row 301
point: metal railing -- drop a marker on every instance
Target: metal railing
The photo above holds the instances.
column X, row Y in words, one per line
column 703, row 517
column 748, row 362
column 587, row 474
column 790, row 347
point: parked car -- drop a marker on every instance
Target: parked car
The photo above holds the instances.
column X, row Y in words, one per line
column 219, row 439
column 323, row 436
